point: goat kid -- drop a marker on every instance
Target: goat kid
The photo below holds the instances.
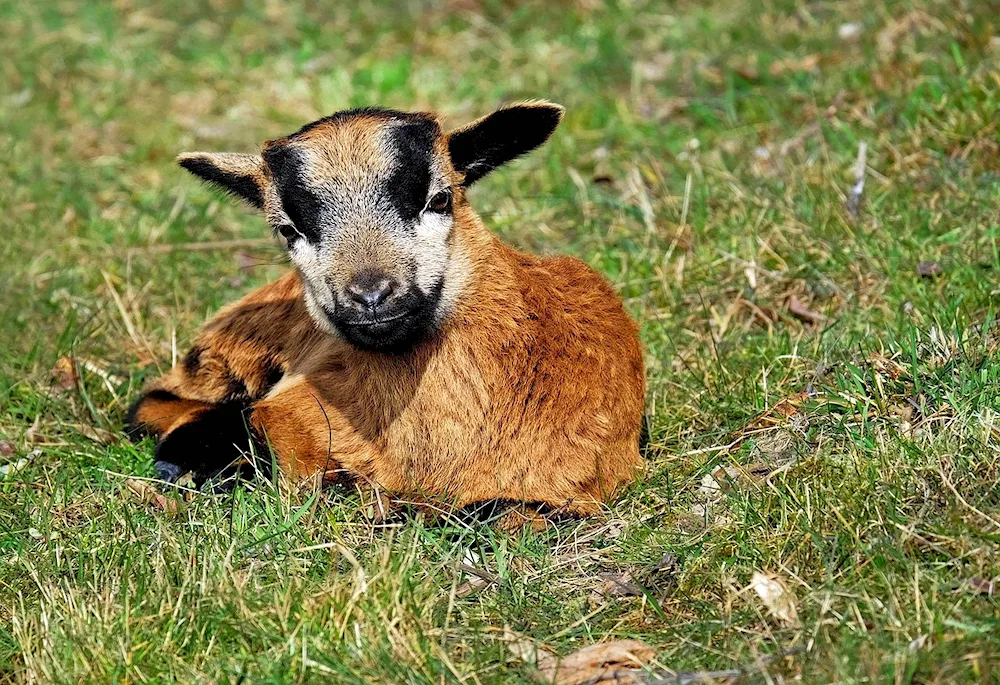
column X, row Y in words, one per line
column 409, row 348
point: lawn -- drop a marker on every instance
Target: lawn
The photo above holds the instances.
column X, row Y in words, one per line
column 823, row 364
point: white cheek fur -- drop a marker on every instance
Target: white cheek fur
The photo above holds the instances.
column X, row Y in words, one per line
column 317, row 295
column 435, row 261
column 430, row 248
column 318, row 316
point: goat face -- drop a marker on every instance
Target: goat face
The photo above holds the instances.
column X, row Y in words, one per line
column 366, row 203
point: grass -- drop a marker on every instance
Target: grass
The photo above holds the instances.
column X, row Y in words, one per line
column 704, row 167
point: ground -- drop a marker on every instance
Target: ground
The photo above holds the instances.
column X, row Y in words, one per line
column 823, row 364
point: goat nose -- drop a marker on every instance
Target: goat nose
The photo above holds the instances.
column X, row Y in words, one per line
column 370, row 289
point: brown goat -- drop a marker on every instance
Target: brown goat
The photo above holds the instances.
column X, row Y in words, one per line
column 409, row 348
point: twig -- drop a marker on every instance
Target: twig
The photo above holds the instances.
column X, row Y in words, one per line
column 204, row 246
column 688, row 677
column 961, row 499
column 126, row 319
column 479, row 573
column 858, row 189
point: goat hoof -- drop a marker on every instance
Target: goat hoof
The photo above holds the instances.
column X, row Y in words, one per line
column 169, row 472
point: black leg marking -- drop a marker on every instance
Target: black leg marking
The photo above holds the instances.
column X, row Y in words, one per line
column 192, row 360
column 273, row 372
column 209, row 445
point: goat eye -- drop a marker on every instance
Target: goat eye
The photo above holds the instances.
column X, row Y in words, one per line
column 288, row 232
column 440, row 201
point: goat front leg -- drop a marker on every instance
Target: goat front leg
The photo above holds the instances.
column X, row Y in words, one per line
column 203, row 439
column 301, row 421
column 199, row 410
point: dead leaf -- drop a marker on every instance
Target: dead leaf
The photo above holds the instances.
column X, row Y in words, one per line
column 618, row 662
column 982, row 586
column 773, row 449
column 776, row 596
column 479, row 578
column 99, row 435
column 801, row 312
column 707, row 509
column 610, row 662
column 789, row 406
column 63, row 374
column 748, row 72
column 929, row 269
column 669, row 563
column 10, row 468
column 710, row 487
column 727, row 478
column 619, row 585
column 887, row 366
column 151, row 495
column 849, row 32
column 807, row 63
column 7, row 448
column 470, row 586
column 711, row 74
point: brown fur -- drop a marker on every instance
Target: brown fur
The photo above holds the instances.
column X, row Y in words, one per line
column 532, row 390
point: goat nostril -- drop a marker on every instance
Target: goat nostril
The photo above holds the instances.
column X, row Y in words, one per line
column 370, row 292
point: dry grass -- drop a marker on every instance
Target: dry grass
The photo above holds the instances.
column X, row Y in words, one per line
column 820, row 411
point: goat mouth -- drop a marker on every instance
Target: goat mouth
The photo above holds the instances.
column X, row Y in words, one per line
column 370, row 323
column 395, row 330
column 396, row 333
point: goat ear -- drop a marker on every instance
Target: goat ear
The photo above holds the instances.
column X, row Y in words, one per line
column 482, row 146
column 238, row 174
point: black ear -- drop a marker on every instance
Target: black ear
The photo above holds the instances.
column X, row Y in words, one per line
column 237, row 174
column 494, row 140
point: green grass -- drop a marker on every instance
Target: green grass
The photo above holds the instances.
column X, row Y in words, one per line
column 702, row 166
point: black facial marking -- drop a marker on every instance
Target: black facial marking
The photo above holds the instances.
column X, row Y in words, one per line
column 410, row 181
column 300, row 203
column 243, row 187
column 412, row 139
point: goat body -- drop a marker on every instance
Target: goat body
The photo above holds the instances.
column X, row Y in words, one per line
column 531, row 389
